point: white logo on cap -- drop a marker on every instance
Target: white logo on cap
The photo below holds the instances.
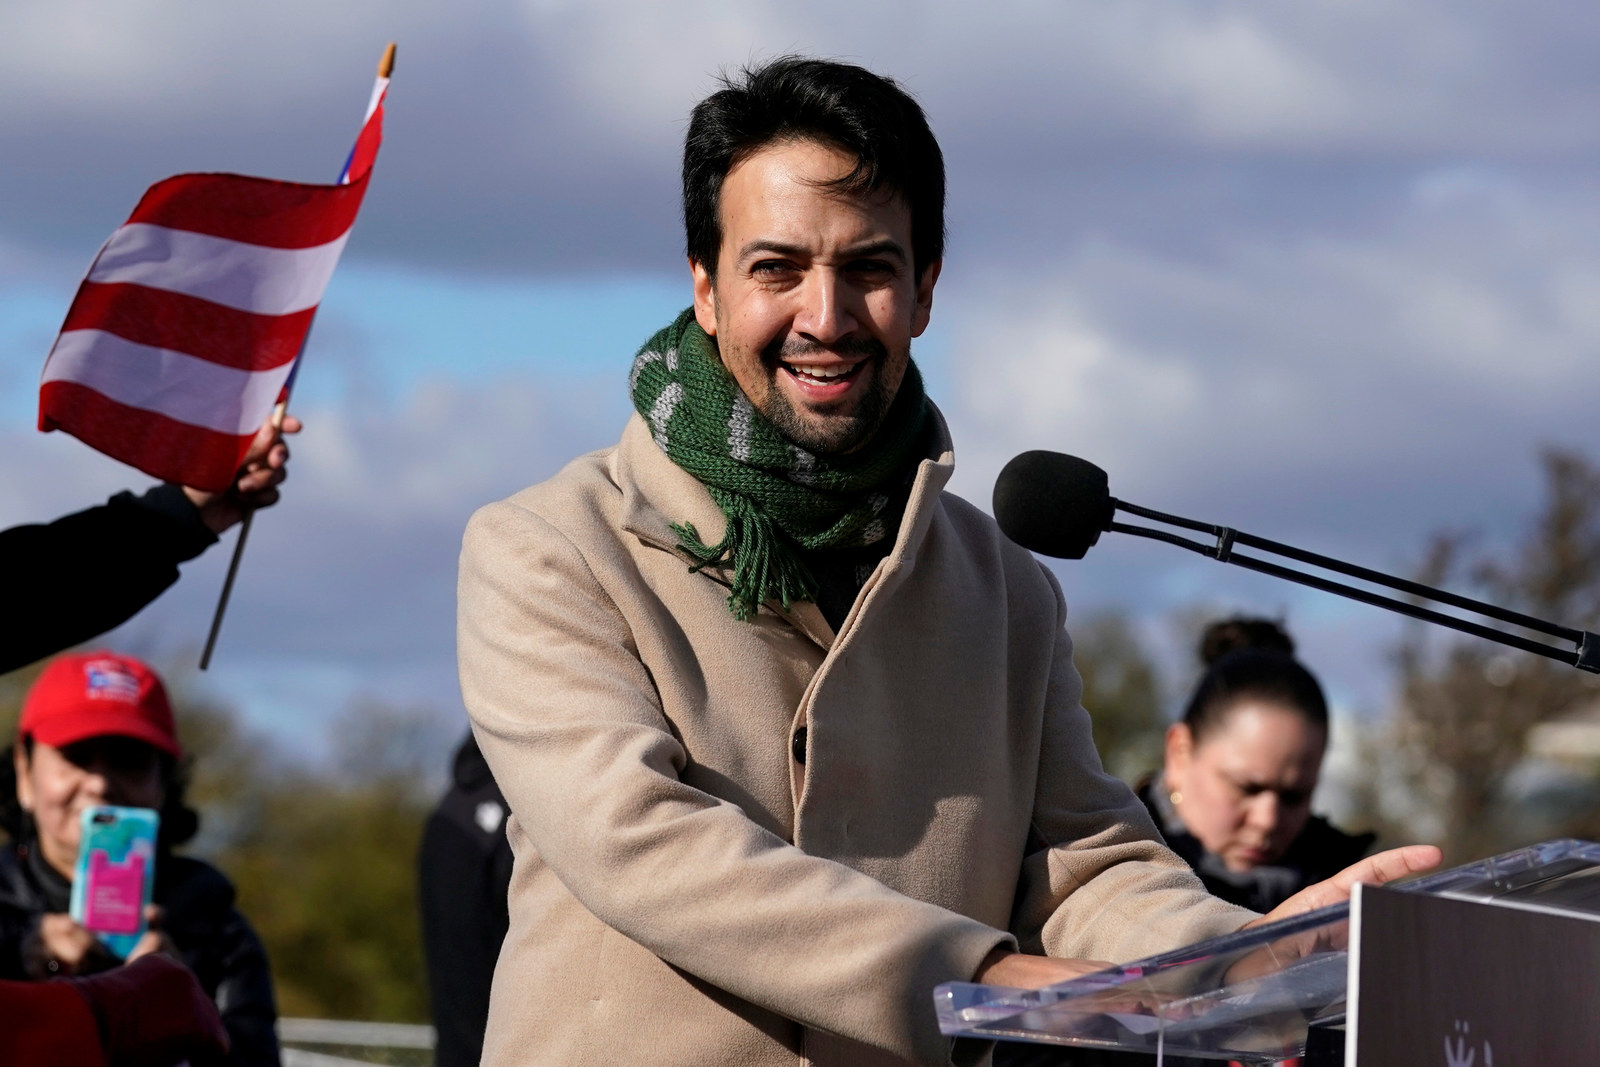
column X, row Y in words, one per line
column 106, row 679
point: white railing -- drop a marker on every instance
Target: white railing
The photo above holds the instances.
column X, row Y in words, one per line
column 349, row 1035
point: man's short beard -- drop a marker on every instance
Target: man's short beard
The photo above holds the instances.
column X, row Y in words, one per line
column 842, row 433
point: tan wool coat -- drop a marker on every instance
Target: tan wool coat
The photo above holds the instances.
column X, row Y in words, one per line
column 685, row 890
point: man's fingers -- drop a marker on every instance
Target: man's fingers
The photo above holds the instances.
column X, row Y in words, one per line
column 1387, row 866
column 291, row 424
column 1374, row 870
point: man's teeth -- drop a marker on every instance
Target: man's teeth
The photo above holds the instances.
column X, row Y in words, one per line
column 837, row 370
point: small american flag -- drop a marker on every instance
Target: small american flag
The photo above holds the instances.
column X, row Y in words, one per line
column 186, row 330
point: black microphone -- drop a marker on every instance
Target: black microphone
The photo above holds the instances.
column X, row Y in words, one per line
column 1058, row 505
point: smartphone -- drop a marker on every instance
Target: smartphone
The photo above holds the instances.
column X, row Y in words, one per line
column 116, row 873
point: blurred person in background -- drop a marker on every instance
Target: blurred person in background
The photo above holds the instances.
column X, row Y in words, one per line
column 136, row 542
column 97, row 728
column 1233, row 797
column 465, row 871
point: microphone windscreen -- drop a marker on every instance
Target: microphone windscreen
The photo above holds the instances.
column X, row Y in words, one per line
column 1052, row 503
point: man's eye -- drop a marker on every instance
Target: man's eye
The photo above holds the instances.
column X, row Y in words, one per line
column 872, row 266
column 772, row 267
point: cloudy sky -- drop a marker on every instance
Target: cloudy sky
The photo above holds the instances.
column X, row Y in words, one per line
column 1328, row 272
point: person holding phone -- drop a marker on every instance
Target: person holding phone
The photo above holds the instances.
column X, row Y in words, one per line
column 97, row 729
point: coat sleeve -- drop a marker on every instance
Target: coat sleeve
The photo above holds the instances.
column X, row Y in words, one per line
column 47, row 1024
column 92, row 570
column 1098, row 883
column 571, row 725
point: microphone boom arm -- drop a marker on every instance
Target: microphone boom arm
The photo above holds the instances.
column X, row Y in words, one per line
column 1585, row 655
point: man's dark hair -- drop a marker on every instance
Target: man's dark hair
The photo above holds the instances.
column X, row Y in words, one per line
column 839, row 104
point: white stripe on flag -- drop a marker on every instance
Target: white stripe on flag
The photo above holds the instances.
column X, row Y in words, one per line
column 377, row 94
column 266, row 281
column 179, row 386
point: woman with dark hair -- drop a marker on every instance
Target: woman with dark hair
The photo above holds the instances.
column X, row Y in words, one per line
column 1234, row 794
column 97, row 728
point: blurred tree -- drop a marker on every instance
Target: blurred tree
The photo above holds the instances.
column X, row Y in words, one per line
column 1122, row 692
column 1448, row 765
column 326, row 868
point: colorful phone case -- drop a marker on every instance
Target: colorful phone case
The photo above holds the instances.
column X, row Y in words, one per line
column 116, row 873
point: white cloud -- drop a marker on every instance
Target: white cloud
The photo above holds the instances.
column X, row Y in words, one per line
column 1436, row 351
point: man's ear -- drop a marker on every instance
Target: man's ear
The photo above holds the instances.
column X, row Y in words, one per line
column 924, row 306
column 705, row 297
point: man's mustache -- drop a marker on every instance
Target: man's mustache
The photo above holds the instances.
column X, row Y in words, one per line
column 789, row 348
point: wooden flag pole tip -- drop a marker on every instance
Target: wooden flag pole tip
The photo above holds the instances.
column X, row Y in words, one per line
column 386, row 64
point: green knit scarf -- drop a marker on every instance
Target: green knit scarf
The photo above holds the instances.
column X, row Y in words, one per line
column 777, row 497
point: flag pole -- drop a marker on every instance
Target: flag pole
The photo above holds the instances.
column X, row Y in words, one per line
column 385, row 69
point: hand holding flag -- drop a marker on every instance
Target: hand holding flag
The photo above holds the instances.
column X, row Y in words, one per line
column 256, row 484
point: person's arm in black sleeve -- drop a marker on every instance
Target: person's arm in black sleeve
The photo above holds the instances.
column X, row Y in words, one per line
column 77, row 577
column 83, row 574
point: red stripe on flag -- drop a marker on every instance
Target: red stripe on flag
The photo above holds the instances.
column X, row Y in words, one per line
column 257, row 211
column 166, row 448
column 367, row 141
column 182, row 323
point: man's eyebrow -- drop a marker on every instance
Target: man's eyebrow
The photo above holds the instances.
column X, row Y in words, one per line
column 763, row 244
column 885, row 247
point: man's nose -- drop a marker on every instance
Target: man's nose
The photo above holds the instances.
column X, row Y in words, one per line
column 826, row 314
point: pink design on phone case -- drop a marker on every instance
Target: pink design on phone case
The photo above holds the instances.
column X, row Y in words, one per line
column 116, row 891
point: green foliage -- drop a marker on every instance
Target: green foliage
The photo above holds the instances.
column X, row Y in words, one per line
column 1122, row 691
column 328, row 875
column 325, row 863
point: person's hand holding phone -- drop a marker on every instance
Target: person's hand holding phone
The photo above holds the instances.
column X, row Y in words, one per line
column 70, row 949
column 155, row 939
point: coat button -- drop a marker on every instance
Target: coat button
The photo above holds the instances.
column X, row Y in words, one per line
column 800, row 746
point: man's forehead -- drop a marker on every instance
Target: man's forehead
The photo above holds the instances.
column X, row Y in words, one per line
column 782, row 193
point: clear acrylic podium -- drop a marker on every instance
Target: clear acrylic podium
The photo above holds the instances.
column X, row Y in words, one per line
column 1252, row 996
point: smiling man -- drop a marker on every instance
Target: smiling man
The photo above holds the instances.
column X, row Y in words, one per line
column 789, row 734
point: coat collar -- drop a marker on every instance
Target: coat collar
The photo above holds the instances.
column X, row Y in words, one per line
column 657, row 493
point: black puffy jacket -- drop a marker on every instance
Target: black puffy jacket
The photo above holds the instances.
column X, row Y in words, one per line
column 213, row 940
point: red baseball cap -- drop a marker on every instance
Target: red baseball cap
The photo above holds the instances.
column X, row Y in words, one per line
column 95, row 694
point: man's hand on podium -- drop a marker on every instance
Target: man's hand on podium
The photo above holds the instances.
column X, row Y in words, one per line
column 1374, row 870
column 1018, row 970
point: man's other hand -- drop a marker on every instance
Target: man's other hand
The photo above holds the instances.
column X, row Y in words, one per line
column 1018, row 970
column 1374, row 870
column 264, row 468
